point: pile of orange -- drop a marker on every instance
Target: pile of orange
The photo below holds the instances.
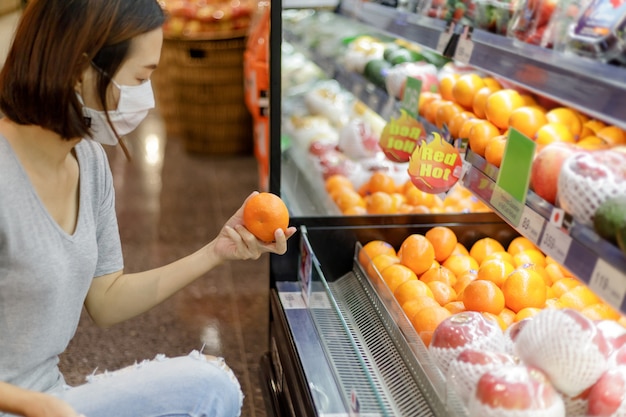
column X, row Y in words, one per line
column 479, row 109
column 433, row 276
column 381, row 195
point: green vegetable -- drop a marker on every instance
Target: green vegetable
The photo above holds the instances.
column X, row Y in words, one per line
column 610, row 217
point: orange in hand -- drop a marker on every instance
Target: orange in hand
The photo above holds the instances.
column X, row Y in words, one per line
column 263, row 214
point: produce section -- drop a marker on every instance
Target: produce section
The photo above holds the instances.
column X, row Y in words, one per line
column 569, row 273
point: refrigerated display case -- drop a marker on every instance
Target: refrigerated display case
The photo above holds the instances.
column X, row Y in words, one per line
column 339, row 343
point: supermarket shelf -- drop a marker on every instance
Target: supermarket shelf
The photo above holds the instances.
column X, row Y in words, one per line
column 596, row 262
column 592, row 87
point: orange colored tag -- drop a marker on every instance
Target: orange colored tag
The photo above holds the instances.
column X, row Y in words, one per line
column 435, row 166
column 401, row 137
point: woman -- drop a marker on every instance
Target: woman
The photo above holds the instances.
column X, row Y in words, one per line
column 78, row 72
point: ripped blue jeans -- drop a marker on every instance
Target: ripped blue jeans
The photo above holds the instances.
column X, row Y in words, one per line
column 185, row 386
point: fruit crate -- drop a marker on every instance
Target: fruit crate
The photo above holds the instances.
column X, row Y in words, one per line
column 368, row 340
column 200, row 93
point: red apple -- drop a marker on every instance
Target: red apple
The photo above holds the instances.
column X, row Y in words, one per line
column 320, row 147
column 607, row 397
column 565, row 345
column 465, row 370
column 515, row 390
column 546, row 167
column 511, row 333
column 468, row 329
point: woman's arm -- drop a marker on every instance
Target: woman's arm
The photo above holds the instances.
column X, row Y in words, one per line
column 26, row 403
column 117, row 297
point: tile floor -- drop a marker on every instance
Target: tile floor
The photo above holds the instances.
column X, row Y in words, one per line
column 170, row 203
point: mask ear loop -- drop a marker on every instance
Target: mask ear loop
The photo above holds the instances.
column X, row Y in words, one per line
column 119, row 138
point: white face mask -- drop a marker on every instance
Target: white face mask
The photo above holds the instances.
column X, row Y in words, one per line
column 134, row 104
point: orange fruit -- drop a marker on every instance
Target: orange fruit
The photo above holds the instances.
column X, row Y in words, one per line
column 503, row 256
column 426, row 320
column 501, row 104
column 337, row 181
column 445, row 113
column 443, row 240
column 496, row 318
column 417, row 253
column 492, row 83
column 495, row 270
column 519, row 244
column 379, row 181
column 524, row 288
column 442, row 292
column 563, row 285
column 456, row 122
column 578, row 298
column 507, row 315
column 563, row 270
column 494, row 151
column 460, row 264
column 554, row 132
column 417, row 197
column 465, row 88
column 526, row 313
column 446, row 85
column 529, row 256
column 527, row 120
column 541, row 271
column 484, row 296
column 347, row 199
column 480, row 101
column 397, row 274
column 354, row 211
column 554, row 272
column 480, row 134
column 379, row 203
column 372, row 249
column 263, row 214
column 425, row 98
column 467, row 125
column 430, row 110
column 592, row 143
column 463, row 281
column 591, row 127
column 455, row 307
column 380, row 262
column 416, row 304
column 410, row 290
column 484, row 247
column 569, row 117
column 600, row 311
column 612, row 135
column 460, row 250
column 441, row 274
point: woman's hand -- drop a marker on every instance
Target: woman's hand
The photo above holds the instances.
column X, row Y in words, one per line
column 235, row 242
column 44, row 405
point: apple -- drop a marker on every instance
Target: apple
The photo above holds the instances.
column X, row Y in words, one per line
column 511, row 333
column 546, row 167
column 358, row 141
column 515, row 390
column 320, row 147
column 468, row 329
column 465, row 370
column 607, row 397
column 565, row 345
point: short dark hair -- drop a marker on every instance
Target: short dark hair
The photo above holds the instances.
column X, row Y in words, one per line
column 54, row 43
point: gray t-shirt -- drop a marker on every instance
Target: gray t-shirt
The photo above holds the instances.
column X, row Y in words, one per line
column 45, row 272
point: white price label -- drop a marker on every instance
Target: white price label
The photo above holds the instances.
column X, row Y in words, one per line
column 555, row 243
column 464, row 49
column 608, row 282
column 444, row 40
column 291, row 300
column 531, row 224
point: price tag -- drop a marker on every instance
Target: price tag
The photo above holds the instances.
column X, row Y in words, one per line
column 464, row 49
column 291, row 300
column 531, row 224
column 444, row 40
column 555, row 243
column 411, row 97
column 608, row 282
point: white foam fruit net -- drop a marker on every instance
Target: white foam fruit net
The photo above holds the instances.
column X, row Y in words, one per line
column 587, row 180
column 561, row 343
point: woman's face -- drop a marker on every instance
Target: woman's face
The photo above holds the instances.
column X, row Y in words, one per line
column 143, row 56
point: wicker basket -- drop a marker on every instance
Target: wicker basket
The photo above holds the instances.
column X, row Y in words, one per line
column 200, row 94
